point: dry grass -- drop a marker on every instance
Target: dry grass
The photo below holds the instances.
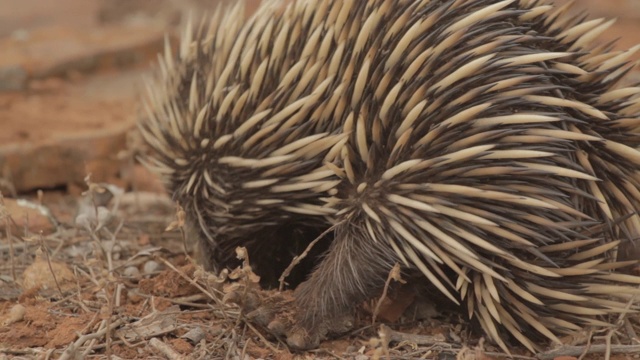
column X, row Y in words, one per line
column 108, row 282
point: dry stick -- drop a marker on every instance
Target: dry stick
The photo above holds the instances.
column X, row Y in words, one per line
column 607, row 349
column 109, row 252
column 8, row 221
column 91, row 324
column 110, row 304
column 594, row 349
column 128, row 344
column 262, row 338
column 183, row 235
column 630, row 331
column 88, row 276
column 243, row 354
column 53, row 274
column 88, row 349
column 243, row 254
column 7, row 247
column 115, row 297
column 24, row 351
column 179, row 223
column 101, row 346
column 7, row 229
column 119, row 288
column 587, row 347
column 384, row 339
column 61, row 244
column 607, row 341
column 191, row 301
column 396, row 336
column 508, row 356
column 321, row 351
column 394, row 274
column 191, row 281
column 230, row 346
column 296, row 260
column 70, row 350
column 619, row 323
column 165, row 349
column 436, row 340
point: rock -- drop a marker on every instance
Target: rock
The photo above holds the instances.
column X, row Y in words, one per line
column 45, row 275
column 64, row 160
column 58, row 50
column 27, row 216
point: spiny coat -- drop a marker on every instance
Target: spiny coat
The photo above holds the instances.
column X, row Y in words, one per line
column 485, row 144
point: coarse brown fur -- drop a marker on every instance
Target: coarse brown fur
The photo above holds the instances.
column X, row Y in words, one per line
column 484, row 144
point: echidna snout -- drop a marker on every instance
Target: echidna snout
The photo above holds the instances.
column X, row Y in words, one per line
column 484, row 144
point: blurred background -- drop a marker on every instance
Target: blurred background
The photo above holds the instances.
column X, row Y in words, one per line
column 70, row 75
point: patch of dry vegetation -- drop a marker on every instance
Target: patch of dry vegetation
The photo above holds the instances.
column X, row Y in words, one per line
column 108, row 282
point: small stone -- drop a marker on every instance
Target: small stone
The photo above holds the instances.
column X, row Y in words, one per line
column 113, row 247
column 45, row 274
column 29, row 217
column 16, row 314
column 131, row 272
column 351, row 349
column 194, row 335
column 150, row 267
column 20, row 35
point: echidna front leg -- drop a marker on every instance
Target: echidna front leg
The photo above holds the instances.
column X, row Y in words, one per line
column 354, row 269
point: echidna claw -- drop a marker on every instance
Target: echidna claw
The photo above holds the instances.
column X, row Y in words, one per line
column 301, row 339
column 247, row 299
column 278, row 328
column 279, row 314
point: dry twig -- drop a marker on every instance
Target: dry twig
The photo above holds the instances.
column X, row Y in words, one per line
column 592, row 349
column 165, row 349
column 296, row 260
column 394, row 274
column 70, row 351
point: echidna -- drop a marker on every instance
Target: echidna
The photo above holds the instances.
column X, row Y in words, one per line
column 485, row 144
